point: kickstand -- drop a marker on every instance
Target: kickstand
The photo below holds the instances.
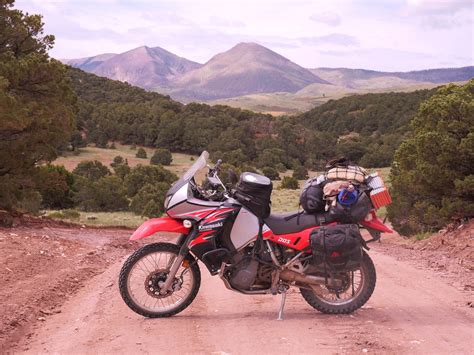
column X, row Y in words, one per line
column 282, row 305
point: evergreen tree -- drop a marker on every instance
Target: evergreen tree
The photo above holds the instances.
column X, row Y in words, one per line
column 92, row 170
column 432, row 175
column 161, row 156
column 141, row 153
column 36, row 103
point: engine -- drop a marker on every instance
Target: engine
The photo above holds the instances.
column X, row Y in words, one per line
column 246, row 272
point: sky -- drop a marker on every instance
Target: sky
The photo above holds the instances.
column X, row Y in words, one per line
column 390, row 35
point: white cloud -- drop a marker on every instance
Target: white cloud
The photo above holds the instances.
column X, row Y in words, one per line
column 438, row 6
column 327, row 17
column 337, row 39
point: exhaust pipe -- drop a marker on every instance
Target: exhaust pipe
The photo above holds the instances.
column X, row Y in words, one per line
column 291, row 276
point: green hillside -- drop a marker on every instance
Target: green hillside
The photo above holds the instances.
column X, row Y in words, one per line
column 365, row 128
column 369, row 127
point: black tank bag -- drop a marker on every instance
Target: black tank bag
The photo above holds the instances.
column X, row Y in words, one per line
column 254, row 192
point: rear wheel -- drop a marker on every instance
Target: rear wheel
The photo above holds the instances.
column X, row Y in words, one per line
column 144, row 273
column 356, row 289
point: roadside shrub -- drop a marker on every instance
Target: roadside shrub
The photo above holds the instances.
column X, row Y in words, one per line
column 432, row 177
column 149, row 200
column 289, row 182
column 161, row 156
column 141, row 153
column 29, row 201
column 141, row 175
column 271, row 173
column 92, row 170
column 300, row 173
column 55, row 184
column 107, row 194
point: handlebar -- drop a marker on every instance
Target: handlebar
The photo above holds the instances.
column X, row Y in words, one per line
column 218, row 165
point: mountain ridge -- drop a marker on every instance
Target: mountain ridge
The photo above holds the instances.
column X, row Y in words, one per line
column 250, row 69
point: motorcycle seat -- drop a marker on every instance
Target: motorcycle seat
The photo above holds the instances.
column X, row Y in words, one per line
column 292, row 222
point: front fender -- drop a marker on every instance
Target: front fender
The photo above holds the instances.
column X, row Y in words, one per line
column 154, row 225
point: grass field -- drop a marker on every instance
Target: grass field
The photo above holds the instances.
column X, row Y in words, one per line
column 283, row 200
column 180, row 164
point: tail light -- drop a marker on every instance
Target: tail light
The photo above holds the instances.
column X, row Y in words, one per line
column 379, row 195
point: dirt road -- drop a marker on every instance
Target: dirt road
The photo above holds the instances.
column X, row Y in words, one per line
column 412, row 310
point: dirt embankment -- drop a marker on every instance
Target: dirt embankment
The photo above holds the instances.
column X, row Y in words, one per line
column 450, row 252
column 43, row 263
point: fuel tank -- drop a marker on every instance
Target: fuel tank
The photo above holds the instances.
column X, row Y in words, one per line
column 245, row 229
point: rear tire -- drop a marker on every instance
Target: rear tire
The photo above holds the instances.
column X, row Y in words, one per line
column 369, row 276
column 140, row 255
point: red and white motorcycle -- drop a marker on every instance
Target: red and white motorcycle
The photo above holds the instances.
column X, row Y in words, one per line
column 251, row 257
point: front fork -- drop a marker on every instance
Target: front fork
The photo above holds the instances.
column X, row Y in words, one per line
column 183, row 241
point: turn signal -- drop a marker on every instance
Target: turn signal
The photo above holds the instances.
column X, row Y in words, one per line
column 185, row 264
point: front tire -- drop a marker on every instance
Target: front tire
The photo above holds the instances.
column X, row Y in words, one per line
column 145, row 269
column 320, row 297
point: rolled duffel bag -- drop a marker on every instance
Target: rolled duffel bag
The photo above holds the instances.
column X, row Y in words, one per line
column 337, row 247
column 254, row 192
column 353, row 173
column 312, row 196
column 352, row 213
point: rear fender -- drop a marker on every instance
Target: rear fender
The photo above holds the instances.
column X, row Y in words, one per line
column 373, row 222
column 155, row 225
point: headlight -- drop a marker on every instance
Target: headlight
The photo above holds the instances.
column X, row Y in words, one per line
column 167, row 201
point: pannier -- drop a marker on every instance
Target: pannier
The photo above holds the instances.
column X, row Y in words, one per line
column 254, row 192
column 312, row 196
column 337, row 247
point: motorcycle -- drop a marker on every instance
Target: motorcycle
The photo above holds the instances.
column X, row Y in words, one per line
column 249, row 255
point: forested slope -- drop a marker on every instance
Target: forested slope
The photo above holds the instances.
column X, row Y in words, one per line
column 370, row 127
column 366, row 128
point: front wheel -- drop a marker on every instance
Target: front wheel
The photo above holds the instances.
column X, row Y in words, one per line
column 146, row 270
column 357, row 288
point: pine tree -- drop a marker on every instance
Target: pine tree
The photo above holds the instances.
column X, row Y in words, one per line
column 36, row 103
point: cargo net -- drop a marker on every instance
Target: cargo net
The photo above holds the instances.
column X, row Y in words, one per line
column 355, row 174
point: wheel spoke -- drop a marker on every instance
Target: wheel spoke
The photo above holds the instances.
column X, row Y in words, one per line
column 148, row 272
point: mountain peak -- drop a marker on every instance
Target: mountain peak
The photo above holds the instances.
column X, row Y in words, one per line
column 143, row 66
column 249, row 45
column 246, row 68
